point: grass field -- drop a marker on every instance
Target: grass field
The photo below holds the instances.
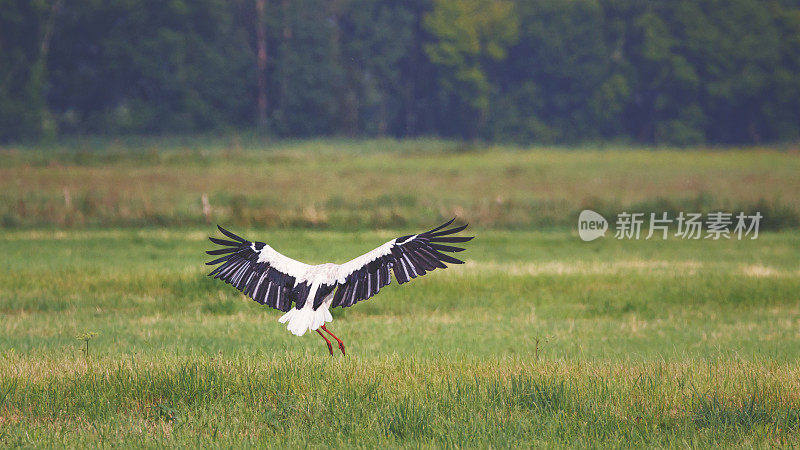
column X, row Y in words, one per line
column 380, row 184
column 540, row 339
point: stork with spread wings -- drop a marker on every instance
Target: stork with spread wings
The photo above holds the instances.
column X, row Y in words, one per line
column 307, row 292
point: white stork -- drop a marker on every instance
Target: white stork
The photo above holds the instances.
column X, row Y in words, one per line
column 279, row 282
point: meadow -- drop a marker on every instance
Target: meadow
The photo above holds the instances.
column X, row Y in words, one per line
column 341, row 184
column 540, row 339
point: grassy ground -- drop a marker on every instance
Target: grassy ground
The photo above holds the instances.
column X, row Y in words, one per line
column 540, row 339
column 377, row 184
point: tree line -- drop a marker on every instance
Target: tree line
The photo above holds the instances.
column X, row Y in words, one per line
column 546, row 71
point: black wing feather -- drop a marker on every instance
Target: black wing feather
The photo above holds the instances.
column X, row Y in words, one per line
column 452, row 239
column 450, row 231
column 441, row 226
column 224, row 242
column 231, row 235
column 411, row 256
column 239, row 267
column 446, row 248
column 222, row 251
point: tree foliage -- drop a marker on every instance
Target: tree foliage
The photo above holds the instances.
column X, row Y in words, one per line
column 23, row 42
column 684, row 71
column 468, row 37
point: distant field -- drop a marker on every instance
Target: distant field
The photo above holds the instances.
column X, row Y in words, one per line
column 539, row 339
column 382, row 183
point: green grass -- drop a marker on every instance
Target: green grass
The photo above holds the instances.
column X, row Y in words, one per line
column 540, row 339
column 346, row 185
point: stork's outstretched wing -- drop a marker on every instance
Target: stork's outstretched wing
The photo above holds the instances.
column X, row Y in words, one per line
column 407, row 256
column 259, row 271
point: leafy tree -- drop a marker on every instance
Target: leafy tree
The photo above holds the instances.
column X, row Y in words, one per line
column 661, row 84
column 733, row 49
column 304, row 68
column 469, row 36
column 781, row 114
column 679, row 72
column 147, row 65
column 25, row 32
column 556, row 83
column 376, row 37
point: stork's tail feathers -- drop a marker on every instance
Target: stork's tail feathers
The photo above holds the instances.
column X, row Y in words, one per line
column 306, row 319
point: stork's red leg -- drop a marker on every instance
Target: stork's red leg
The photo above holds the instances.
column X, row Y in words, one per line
column 330, row 347
column 341, row 344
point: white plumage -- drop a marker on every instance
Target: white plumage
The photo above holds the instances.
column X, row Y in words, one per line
column 307, row 292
